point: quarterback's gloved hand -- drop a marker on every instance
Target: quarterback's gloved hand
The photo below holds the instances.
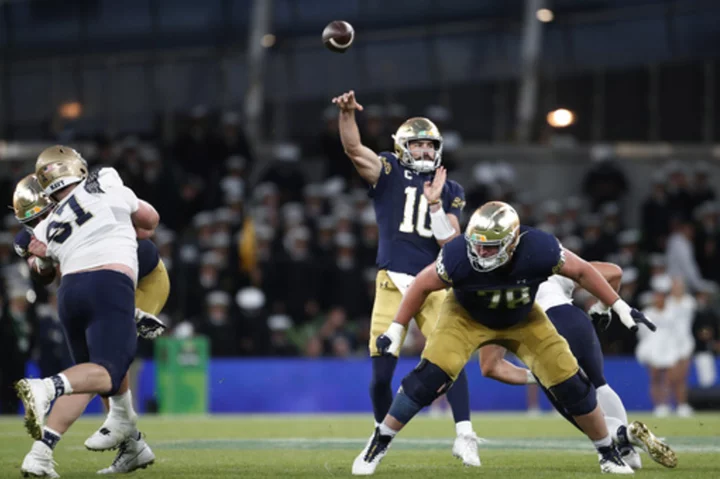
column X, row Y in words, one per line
column 22, row 242
column 390, row 341
column 148, row 326
column 601, row 315
column 629, row 316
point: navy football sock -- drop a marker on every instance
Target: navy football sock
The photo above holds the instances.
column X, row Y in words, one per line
column 403, row 408
column 459, row 398
column 50, row 438
column 383, row 368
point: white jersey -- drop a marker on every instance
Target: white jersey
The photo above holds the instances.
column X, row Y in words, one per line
column 555, row 291
column 92, row 227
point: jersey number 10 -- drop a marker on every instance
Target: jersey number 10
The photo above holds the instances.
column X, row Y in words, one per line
column 408, row 225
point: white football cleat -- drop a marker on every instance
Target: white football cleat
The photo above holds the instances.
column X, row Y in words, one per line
column 612, row 463
column 370, row 457
column 631, row 457
column 466, row 448
column 640, row 435
column 39, row 462
column 111, row 434
column 133, row 454
column 36, row 397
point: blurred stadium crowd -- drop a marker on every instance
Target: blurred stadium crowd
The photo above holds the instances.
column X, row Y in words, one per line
column 282, row 266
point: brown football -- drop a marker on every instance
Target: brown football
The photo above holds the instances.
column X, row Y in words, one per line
column 338, row 36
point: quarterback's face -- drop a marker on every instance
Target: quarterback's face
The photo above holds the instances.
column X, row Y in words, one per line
column 422, row 149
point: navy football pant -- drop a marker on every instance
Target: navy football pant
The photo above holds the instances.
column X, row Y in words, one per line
column 97, row 309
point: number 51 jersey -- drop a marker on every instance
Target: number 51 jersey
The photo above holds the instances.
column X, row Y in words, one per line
column 406, row 242
column 91, row 227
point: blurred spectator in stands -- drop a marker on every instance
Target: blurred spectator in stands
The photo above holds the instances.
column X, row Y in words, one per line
column 298, row 277
column 104, row 154
column 570, row 221
column 452, row 140
column 254, row 333
column 231, row 142
column 707, row 237
column 15, row 342
column 346, row 280
column 680, row 255
column 330, row 147
column 16, row 171
column 193, row 148
column 369, row 237
column 680, row 199
column 701, row 188
column 374, row 134
column 551, row 210
column 280, row 344
column 217, row 324
column 706, row 330
column 286, row 173
column 655, row 215
column 605, row 181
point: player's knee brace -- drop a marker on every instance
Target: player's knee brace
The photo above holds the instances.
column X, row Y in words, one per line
column 577, row 394
column 426, row 383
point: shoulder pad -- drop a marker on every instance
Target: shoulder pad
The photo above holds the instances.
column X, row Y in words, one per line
column 109, row 178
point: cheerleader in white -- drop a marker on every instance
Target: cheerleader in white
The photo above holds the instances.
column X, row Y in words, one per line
column 657, row 351
column 683, row 308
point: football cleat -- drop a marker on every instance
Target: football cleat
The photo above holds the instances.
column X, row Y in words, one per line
column 466, row 448
column 631, row 457
column 36, row 397
column 640, row 435
column 111, row 434
column 370, row 457
column 148, row 326
column 132, row 454
column 39, row 462
column 611, row 462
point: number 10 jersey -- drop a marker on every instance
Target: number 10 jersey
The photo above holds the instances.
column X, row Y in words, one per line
column 406, row 243
column 92, row 227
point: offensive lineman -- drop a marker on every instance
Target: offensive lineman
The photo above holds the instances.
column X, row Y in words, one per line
column 494, row 272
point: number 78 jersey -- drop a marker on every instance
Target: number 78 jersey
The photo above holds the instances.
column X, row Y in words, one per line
column 406, row 243
column 92, row 227
column 503, row 297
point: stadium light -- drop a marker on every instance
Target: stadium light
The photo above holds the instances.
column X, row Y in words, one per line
column 560, row 118
column 545, row 15
column 70, row 110
column 268, row 40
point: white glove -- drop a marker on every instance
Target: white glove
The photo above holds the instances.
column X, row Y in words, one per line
column 624, row 312
column 390, row 341
column 148, row 326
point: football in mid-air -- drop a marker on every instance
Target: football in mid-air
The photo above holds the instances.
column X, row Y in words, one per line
column 338, row 36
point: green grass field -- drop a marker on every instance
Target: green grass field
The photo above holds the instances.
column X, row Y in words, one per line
column 324, row 446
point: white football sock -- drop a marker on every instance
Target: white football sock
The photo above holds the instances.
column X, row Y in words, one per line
column 611, row 403
column 121, row 407
column 464, row 428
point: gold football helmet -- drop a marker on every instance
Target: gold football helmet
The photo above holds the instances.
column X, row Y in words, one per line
column 59, row 166
column 418, row 128
column 492, row 234
column 30, row 201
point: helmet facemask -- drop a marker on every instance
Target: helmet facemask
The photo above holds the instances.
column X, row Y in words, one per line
column 486, row 255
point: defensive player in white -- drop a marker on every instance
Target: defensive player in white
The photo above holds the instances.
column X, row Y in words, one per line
column 555, row 298
column 91, row 235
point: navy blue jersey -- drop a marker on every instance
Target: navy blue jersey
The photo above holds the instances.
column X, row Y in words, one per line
column 503, row 297
column 148, row 257
column 406, row 243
